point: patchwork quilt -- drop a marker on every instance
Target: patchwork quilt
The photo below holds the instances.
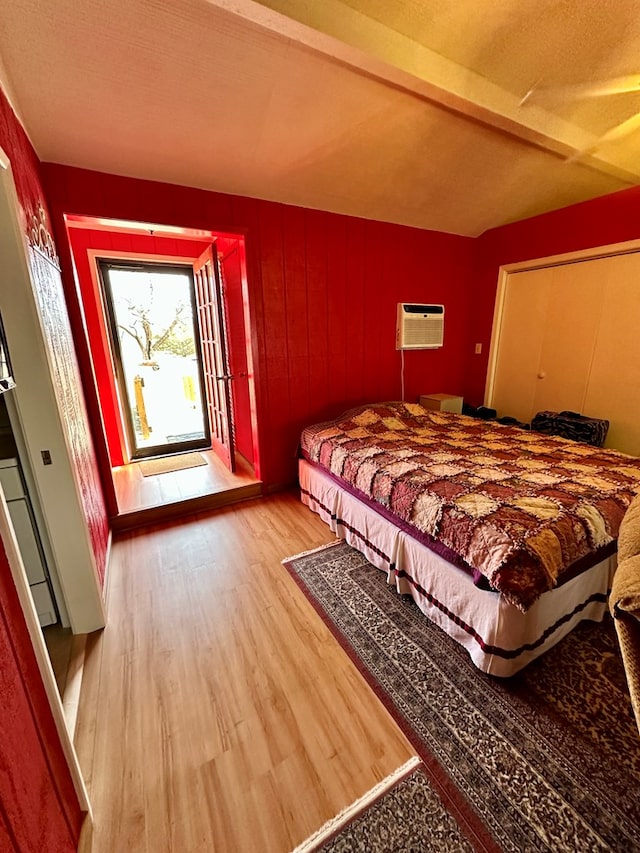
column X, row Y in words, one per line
column 520, row 509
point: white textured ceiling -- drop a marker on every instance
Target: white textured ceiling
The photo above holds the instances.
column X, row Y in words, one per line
column 402, row 111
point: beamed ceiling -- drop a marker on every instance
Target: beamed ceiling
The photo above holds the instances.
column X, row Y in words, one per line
column 397, row 110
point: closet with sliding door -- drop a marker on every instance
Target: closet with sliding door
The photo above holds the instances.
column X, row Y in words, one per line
column 567, row 337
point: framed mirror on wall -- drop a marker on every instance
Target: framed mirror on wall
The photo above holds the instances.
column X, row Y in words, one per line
column 7, row 381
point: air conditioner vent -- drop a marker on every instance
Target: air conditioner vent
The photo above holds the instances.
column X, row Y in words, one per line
column 419, row 326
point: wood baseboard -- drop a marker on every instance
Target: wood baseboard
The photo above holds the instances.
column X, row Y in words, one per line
column 73, row 683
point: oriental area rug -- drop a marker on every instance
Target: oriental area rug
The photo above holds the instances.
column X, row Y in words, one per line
column 547, row 760
column 401, row 814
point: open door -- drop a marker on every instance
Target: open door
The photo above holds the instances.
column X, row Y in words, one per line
column 152, row 315
column 215, row 355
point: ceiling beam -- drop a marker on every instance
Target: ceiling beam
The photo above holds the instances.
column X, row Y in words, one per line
column 367, row 47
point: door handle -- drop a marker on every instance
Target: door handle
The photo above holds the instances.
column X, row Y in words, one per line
column 225, row 378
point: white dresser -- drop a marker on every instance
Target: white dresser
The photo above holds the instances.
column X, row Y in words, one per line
column 26, row 532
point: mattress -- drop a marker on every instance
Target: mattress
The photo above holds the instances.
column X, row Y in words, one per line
column 499, row 638
column 522, row 512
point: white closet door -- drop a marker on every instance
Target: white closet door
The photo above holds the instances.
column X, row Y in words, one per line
column 522, row 332
column 570, row 330
column 570, row 339
column 549, row 325
column 614, row 384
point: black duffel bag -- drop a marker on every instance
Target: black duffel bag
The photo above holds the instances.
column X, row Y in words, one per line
column 572, row 425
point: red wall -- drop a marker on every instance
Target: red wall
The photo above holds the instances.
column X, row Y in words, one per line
column 323, row 290
column 38, row 805
column 232, row 263
column 27, row 177
column 610, row 219
column 39, row 809
column 24, row 162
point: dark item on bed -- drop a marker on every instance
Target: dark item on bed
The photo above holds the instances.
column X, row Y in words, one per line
column 506, row 420
column 573, row 426
column 481, row 412
column 521, row 508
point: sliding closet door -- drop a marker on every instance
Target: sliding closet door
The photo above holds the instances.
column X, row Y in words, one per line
column 526, row 299
column 569, row 335
column 614, row 383
column 548, row 330
column 570, row 339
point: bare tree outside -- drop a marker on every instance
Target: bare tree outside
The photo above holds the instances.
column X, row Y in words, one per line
column 175, row 338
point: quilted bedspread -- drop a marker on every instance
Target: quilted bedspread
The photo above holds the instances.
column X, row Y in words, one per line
column 518, row 507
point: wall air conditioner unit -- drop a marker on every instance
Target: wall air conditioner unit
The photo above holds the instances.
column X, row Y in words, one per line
column 419, row 326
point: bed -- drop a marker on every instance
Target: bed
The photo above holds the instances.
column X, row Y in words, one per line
column 504, row 538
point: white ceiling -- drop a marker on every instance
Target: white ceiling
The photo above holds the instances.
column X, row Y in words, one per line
column 405, row 111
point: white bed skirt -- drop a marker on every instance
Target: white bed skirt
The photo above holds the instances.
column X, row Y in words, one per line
column 499, row 638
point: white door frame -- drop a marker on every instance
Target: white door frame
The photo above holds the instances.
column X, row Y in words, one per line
column 19, row 575
column 34, row 404
column 35, row 401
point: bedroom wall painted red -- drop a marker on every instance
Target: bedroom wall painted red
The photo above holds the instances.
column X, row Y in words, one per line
column 39, row 808
column 323, row 294
column 27, row 176
column 602, row 221
column 232, row 263
column 24, row 162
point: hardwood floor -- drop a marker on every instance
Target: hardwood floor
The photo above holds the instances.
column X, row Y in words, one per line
column 149, row 500
column 217, row 712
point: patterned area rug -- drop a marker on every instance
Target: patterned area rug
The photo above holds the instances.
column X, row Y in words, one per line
column 405, row 815
column 548, row 760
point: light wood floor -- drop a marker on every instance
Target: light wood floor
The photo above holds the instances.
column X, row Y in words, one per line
column 217, row 711
column 207, row 486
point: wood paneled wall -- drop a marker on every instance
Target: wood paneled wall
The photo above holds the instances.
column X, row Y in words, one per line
column 323, row 290
column 27, row 178
column 232, row 263
column 39, row 808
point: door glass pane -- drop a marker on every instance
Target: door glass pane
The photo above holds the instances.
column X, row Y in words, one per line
column 153, row 318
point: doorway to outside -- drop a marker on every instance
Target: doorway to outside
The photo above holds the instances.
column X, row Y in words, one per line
column 156, row 345
column 165, row 383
